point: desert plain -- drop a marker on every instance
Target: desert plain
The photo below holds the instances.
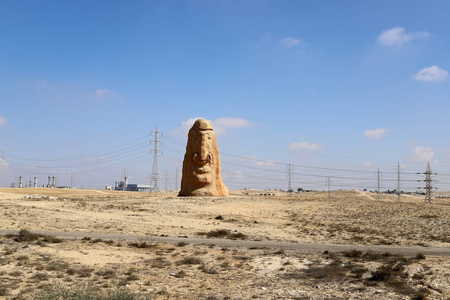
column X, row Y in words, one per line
column 251, row 245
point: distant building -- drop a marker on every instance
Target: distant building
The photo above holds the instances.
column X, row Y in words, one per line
column 132, row 187
column 138, row 187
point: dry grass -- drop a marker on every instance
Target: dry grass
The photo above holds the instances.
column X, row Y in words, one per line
column 31, row 263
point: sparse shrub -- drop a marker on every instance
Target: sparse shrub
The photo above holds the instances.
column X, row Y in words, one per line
column 71, row 271
column 15, row 274
column 40, row 277
column 223, row 233
column 84, row 272
column 160, row 263
column 181, row 244
column 353, row 253
column 22, row 257
column 142, row 244
column 383, row 273
column 132, row 277
column 206, row 270
column 190, row 260
column 238, row 236
column 358, row 271
column 57, row 266
column 180, row 274
column 106, row 274
column 26, row 236
column 420, row 295
column 3, row 291
column 219, row 217
column 420, row 256
column 51, row 239
column 88, row 293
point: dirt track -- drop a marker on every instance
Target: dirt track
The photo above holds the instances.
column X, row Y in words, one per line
column 302, row 247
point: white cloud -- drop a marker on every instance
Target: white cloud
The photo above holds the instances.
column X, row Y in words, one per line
column 3, row 121
column 3, row 162
column 368, row 164
column 103, row 93
column 259, row 162
column 307, row 146
column 289, row 42
column 375, row 133
column 433, row 73
column 186, row 125
column 397, row 37
column 232, row 122
column 421, row 154
column 220, row 125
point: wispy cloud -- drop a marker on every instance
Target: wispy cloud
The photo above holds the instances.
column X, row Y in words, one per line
column 103, row 93
column 289, row 42
column 220, row 125
column 433, row 73
column 368, row 164
column 305, row 146
column 421, row 154
column 375, row 133
column 3, row 121
column 259, row 162
column 397, row 37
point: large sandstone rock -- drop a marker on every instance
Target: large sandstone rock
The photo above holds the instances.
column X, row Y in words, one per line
column 201, row 166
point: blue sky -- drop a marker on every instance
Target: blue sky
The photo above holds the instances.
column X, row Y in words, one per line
column 339, row 89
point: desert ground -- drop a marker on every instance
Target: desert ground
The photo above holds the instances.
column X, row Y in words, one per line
column 32, row 263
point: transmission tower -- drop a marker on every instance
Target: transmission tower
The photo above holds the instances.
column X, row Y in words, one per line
column 289, row 177
column 155, row 184
column 429, row 184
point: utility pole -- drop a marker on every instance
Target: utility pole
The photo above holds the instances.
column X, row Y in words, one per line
column 71, row 181
column 428, row 184
column 289, row 177
column 328, row 186
column 166, row 186
column 398, row 182
column 155, row 186
column 378, row 183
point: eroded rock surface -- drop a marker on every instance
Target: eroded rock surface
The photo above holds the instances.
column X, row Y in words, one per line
column 201, row 166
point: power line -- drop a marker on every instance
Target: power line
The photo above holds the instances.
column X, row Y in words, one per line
column 78, row 157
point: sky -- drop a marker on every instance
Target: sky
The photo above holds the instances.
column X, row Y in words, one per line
column 297, row 91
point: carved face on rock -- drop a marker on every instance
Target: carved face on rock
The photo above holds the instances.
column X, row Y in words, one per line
column 201, row 165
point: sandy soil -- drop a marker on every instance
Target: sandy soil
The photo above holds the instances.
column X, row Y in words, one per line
column 205, row 272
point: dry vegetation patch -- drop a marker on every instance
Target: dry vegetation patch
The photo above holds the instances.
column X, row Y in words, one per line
column 31, row 264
